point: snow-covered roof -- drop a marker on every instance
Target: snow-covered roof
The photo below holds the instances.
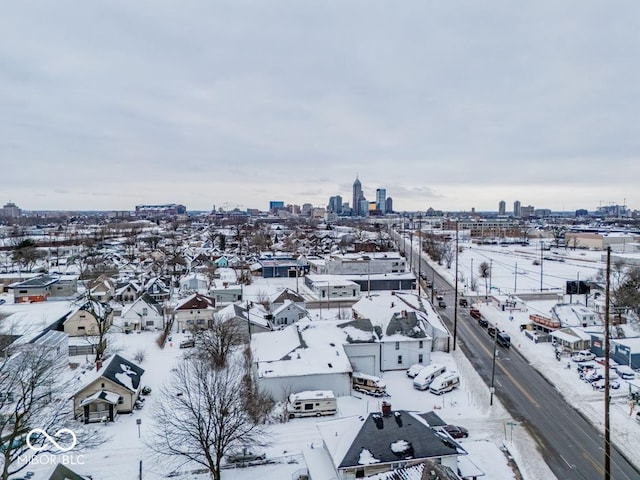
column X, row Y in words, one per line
column 305, row 348
column 104, row 395
column 117, row 369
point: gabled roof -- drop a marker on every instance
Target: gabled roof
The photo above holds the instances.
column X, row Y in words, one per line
column 286, row 294
column 389, row 439
column 145, row 299
column 196, row 301
column 120, row 371
column 62, row 472
column 37, row 282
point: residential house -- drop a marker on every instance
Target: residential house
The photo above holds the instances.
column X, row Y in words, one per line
column 361, row 447
column 280, row 297
column 158, row 290
column 102, row 288
column 196, row 310
column 85, row 320
column 287, row 313
column 248, row 321
column 194, row 282
column 399, row 325
column 110, row 390
column 303, row 356
column 127, row 292
column 144, row 313
column 224, row 292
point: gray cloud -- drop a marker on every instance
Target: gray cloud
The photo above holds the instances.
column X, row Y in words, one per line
column 446, row 104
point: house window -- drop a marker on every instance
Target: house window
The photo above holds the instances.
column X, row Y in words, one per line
column 145, row 311
column 399, row 359
column 420, row 344
column 419, row 358
column 102, row 385
column 81, row 327
column 360, row 473
column 120, row 400
column 397, row 345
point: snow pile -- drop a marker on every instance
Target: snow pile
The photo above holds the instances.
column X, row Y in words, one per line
column 367, row 458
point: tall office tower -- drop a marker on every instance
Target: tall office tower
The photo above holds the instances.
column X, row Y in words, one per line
column 389, row 205
column 517, row 209
column 357, row 196
column 381, row 196
column 335, row 205
column 502, row 207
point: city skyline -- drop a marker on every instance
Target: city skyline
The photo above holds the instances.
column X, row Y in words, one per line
column 447, row 106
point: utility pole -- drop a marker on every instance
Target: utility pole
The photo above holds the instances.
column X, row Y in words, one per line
column 419, row 250
column 515, row 281
column 607, row 398
column 541, row 262
column 490, row 276
column 455, row 301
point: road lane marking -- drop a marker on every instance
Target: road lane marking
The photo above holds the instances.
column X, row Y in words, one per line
column 504, row 370
column 595, row 464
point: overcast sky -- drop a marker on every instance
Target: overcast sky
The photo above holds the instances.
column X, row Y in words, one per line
column 446, row 104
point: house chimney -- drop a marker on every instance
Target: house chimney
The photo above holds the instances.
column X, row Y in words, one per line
column 98, row 365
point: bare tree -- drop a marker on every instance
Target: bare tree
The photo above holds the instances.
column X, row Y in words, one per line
column 448, row 252
column 484, row 270
column 33, row 396
column 202, row 414
column 26, row 254
column 262, row 297
column 97, row 333
column 558, row 233
column 217, row 342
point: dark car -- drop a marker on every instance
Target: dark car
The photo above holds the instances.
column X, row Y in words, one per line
column 456, row 431
column 483, row 323
column 463, row 302
column 442, row 304
column 429, row 284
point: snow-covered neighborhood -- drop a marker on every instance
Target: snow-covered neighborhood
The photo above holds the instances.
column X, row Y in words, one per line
column 196, row 350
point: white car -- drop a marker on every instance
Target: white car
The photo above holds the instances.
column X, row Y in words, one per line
column 583, row 356
column 414, row 369
column 599, row 384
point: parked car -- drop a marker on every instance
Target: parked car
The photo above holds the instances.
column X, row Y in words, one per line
column 483, row 323
column 414, row 369
column 442, row 304
column 463, row 302
column 583, row 356
column 599, row 384
column 592, row 376
column 429, row 284
column 625, row 372
column 439, row 297
column 584, row 367
column 244, row 455
column 475, row 313
column 456, row 431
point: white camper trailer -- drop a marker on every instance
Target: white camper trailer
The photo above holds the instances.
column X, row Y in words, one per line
column 424, row 378
column 369, row 384
column 311, row 403
column 444, row 383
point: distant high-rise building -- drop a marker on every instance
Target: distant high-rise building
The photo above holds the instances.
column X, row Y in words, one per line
column 381, row 197
column 307, row 209
column 335, row 205
column 517, row 209
column 357, row 197
column 11, row 210
column 389, row 205
column 528, row 211
column 275, row 205
column 502, row 207
column 363, row 207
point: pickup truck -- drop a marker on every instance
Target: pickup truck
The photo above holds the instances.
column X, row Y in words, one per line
column 244, row 455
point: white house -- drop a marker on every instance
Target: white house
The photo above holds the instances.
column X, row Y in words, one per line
column 303, row 356
column 143, row 314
